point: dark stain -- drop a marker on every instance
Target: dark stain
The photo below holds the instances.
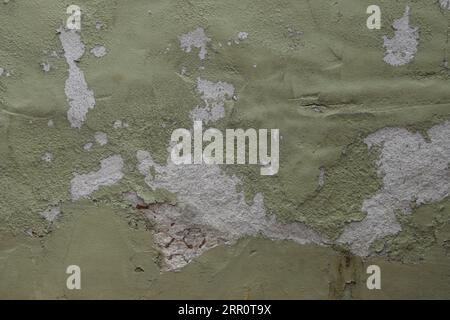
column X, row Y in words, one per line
column 345, row 275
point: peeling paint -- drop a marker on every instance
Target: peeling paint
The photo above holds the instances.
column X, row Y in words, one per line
column 209, row 212
column 79, row 96
column 82, row 185
column 47, row 157
column 101, row 138
column 414, row 172
column 214, row 95
column 119, row 124
column 445, row 4
column 402, row 48
column 46, row 66
column 195, row 39
column 51, row 213
column 98, row 51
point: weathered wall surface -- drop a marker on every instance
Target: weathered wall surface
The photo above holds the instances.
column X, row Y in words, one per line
column 85, row 125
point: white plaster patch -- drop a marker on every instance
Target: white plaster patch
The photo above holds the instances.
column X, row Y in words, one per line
column 322, row 177
column 46, row 66
column 445, row 4
column 101, row 138
column 242, row 35
column 119, row 124
column 88, row 146
column 401, row 49
column 239, row 37
column 414, row 172
column 98, row 25
column 82, row 185
column 98, row 51
column 80, row 98
column 47, row 157
column 209, row 212
column 214, row 95
column 4, row 72
column 196, row 39
column 51, row 213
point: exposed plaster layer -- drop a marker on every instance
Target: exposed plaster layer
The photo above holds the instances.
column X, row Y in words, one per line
column 240, row 36
column 214, row 95
column 414, row 172
column 209, row 212
column 46, row 66
column 47, row 157
column 119, row 124
column 98, row 51
column 401, row 49
column 80, row 98
column 445, row 4
column 51, row 213
column 82, row 185
column 322, row 177
column 196, row 39
column 101, row 138
column 88, row 146
column 4, row 72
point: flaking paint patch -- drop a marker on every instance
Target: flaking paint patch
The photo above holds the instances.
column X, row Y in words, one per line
column 101, row 138
column 414, row 172
column 46, row 66
column 119, row 124
column 445, row 4
column 241, row 36
column 214, row 95
column 322, row 177
column 401, row 49
column 79, row 96
column 195, row 39
column 51, row 213
column 236, row 270
column 82, row 185
column 4, row 72
column 88, row 146
column 47, row 157
column 209, row 212
column 98, row 51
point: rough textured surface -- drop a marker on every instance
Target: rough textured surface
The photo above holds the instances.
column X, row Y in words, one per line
column 101, row 138
column 309, row 68
column 213, row 95
column 209, row 212
column 82, row 185
column 402, row 48
column 51, row 213
column 195, row 39
column 414, row 171
column 445, row 4
column 79, row 96
column 98, row 51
